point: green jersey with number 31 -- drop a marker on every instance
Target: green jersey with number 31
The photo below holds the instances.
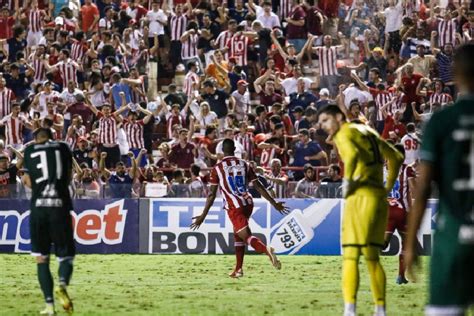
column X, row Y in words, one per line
column 49, row 166
column 448, row 143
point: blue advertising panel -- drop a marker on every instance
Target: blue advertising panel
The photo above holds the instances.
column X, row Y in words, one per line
column 100, row 226
column 311, row 228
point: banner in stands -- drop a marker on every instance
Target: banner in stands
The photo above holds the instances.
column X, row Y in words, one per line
column 100, row 226
column 312, row 228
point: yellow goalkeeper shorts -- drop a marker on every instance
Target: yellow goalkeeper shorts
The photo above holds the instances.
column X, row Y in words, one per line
column 365, row 218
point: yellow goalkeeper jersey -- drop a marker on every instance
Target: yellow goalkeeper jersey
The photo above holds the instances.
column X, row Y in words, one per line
column 364, row 153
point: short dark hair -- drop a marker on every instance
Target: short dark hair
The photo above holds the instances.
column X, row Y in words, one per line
column 304, row 131
column 43, row 131
column 228, row 146
column 195, row 169
column 336, row 168
column 331, row 109
column 209, row 130
column 260, row 109
column 411, row 127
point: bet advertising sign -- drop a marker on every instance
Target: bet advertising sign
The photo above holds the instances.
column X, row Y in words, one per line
column 100, row 226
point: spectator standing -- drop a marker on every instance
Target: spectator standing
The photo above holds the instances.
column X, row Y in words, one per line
column 295, row 30
column 217, row 100
column 183, row 153
column 307, row 151
column 89, row 17
column 120, row 180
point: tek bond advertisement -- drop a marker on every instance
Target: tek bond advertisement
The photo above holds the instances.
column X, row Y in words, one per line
column 312, row 228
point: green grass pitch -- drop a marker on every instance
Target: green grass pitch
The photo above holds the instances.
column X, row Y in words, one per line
column 199, row 285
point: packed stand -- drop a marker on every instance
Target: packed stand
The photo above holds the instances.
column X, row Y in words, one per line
column 145, row 92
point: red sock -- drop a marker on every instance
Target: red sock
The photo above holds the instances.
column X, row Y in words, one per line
column 401, row 265
column 257, row 244
column 239, row 252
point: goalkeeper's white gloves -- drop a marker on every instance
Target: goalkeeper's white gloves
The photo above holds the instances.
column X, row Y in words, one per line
column 348, row 187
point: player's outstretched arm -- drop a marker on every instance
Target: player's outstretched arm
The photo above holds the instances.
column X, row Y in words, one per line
column 279, row 206
column 198, row 220
column 422, row 193
column 394, row 162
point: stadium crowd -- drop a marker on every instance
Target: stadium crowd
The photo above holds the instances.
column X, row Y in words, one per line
column 145, row 92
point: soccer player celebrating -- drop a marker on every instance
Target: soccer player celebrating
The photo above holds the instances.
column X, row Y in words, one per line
column 232, row 176
column 447, row 158
column 48, row 167
column 365, row 213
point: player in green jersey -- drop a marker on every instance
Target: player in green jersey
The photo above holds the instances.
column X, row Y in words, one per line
column 48, row 167
column 447, row 158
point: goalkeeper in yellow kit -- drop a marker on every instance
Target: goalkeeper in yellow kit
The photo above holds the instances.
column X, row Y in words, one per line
column 365, row 213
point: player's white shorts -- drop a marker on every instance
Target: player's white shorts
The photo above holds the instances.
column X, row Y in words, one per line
column 33, row 38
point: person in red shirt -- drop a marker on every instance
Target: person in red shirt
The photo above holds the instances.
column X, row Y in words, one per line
column 393, row 128
column 409, row 83
column 296, row 30
column 330, row 8
column 89, row 16
column 183, row 153
column 6, row 24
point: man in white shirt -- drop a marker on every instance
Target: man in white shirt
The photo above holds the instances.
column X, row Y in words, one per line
column 268, row 18
column 158, row 20
column 290, row 84
column 240, row 100
column 393, row 22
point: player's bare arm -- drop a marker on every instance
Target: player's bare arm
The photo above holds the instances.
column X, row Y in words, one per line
column 279, row 206
column 198, row 220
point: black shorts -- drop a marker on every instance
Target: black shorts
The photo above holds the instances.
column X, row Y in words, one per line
column 52, row 226
column 395, row 42
column 113, row 156
column 161, row 41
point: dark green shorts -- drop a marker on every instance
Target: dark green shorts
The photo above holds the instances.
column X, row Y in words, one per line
column 452, row 264
column 52, row 226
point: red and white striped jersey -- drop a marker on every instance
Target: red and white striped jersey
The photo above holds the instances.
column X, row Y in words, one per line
column 134, row 132
column 267, row 155
column 280, row 190
column 107, row 129
column 380, row 100
column 72, row 141
column 136, row 96
column 190, row 80
column 222, row 40
column 233, row 176
column 178, row 26
column 34, row 21
column 171, row 121
column 238, row 48
column 6, row 97
column 13, row 129
column 411, row 143
column 40, row 70
column 284, row 9
column 247, row 143
column 78, row 50
column 327, row 60
column 189, row 47
column 447, row 31
column 441, row 98
column 406, row 172
column 68, row 71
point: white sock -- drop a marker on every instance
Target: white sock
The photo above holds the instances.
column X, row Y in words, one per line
column 380, row 310
column 349, row 309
